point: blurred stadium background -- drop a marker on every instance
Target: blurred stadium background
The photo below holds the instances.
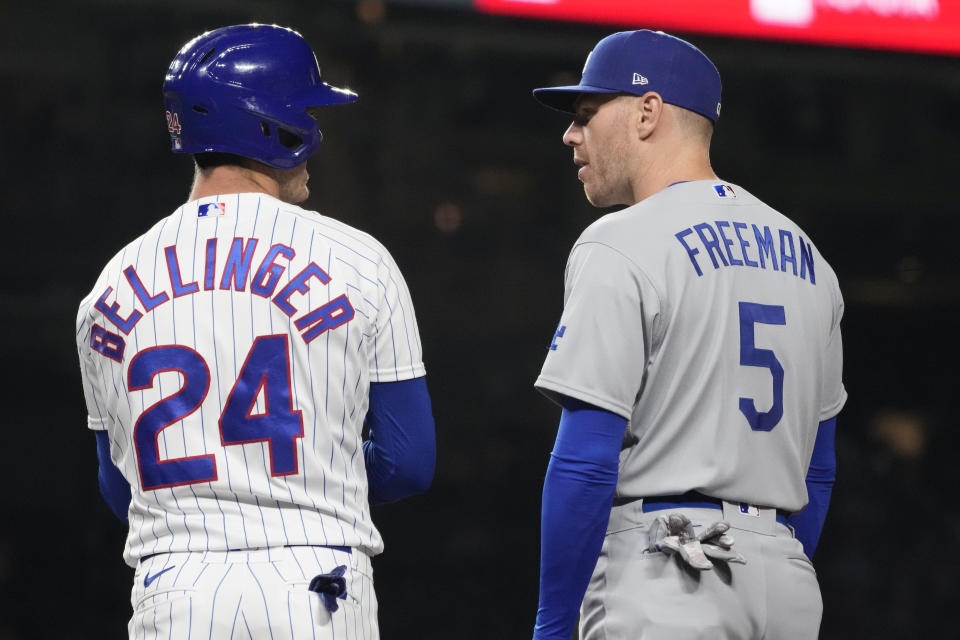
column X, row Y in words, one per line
column 448, row 160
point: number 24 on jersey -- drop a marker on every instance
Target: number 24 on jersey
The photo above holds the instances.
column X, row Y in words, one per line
column 265, row 373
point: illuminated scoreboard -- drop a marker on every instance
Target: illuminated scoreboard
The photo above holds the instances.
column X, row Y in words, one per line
column 928, row 26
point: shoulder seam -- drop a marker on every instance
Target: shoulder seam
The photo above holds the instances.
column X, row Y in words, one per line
column 640, row 270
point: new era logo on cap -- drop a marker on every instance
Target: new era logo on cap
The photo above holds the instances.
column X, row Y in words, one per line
column 639, row 79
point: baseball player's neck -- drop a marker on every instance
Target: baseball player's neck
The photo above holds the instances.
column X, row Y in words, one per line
column 673, row 147
column 686, row 164
column 289, row 185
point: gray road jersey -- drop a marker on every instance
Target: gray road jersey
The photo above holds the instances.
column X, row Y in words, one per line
column 712, row 323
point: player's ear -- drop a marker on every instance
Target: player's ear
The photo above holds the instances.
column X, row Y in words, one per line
column 649, row 111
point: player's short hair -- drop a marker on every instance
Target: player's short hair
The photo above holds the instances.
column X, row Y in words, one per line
column 214, row 159
column 697, row 126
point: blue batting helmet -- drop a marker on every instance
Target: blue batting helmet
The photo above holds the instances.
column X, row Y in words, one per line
column 245, row 90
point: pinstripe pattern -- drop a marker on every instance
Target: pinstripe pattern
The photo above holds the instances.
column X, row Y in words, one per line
column 251, row 594
column 325, row 501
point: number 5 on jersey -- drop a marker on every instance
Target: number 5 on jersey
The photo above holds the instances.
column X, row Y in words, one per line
column 750, row 356
column 266, row 373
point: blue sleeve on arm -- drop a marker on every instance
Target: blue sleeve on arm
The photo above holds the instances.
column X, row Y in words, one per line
column 400, row 453
column 113, row 486
column 577, row 496
column 808, row 523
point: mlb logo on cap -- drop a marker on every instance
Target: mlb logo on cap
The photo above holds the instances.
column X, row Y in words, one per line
column 212, row 209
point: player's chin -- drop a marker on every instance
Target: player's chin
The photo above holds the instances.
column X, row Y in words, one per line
column 594, row 197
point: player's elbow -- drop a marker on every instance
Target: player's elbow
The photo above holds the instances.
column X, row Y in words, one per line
column 421, row 480
column 415, row 475
column 408, row 476
column 416, row 465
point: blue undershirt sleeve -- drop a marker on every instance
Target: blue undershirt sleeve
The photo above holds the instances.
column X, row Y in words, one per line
column 113, row 486
column 400, row 452
column 577, row 497
column 808, row 523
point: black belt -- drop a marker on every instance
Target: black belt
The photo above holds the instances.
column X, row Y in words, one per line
column 694, row 500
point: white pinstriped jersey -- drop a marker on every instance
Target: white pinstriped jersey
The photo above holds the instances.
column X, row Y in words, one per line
column 228, row 352
column 712, row 323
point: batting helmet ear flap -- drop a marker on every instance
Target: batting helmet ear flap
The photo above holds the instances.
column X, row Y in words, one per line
column 289, row 140
column 246, row 90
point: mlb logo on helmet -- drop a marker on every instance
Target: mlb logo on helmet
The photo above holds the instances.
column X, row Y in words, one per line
column 212, row 209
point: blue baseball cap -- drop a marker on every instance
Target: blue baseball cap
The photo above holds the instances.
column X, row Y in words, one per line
column 636, row 62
